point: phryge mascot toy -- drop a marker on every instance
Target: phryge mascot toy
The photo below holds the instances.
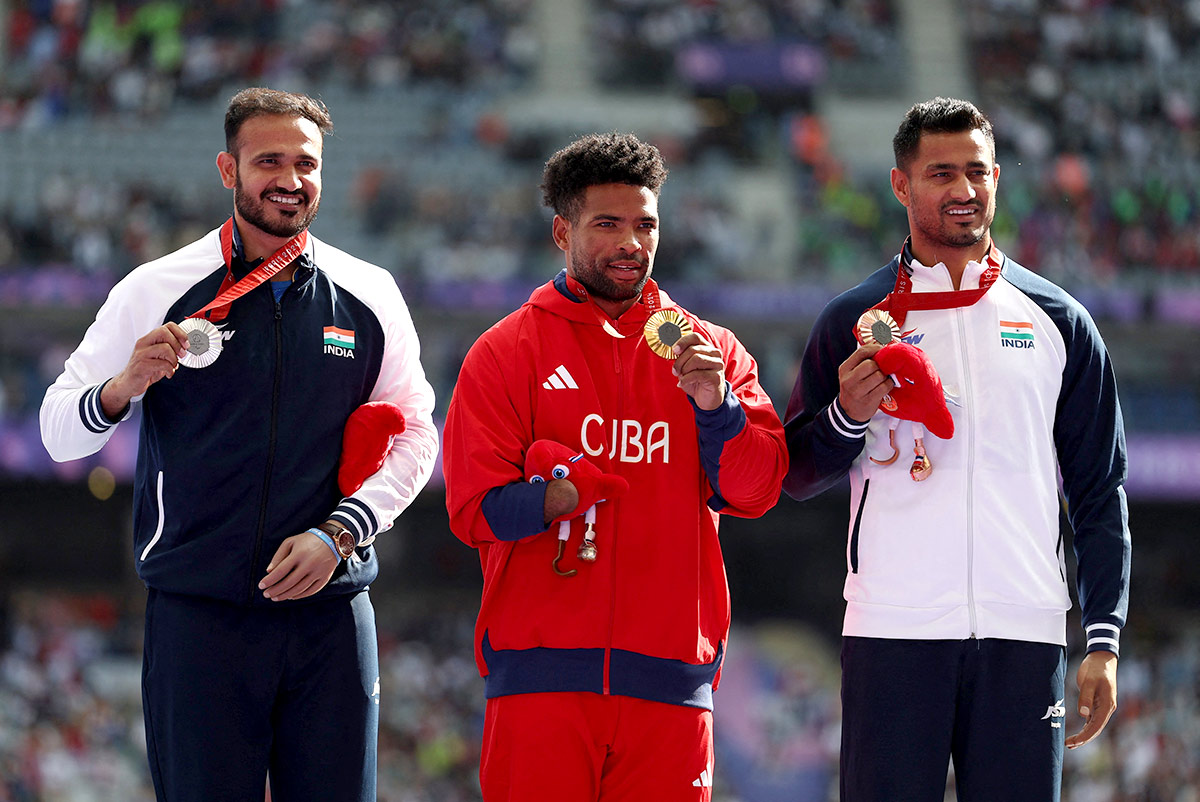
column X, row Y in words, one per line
column 918, row 397
column 546, row 460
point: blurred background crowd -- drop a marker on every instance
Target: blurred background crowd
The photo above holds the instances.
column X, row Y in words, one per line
column 775, row 117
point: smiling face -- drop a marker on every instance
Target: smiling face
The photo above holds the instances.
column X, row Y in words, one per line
column 949, row 188
column 610, row 247
column 275, row 176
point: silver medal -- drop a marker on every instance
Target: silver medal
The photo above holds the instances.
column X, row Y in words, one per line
column 204, row 343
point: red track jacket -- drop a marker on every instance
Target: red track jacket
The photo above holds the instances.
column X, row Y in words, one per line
column 650, row 617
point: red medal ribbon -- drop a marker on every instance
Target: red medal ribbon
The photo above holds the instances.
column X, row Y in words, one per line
column 230, row 290
column 650, row 298
column 902, row 300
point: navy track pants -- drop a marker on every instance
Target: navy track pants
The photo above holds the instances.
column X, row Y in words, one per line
column 994, row 707
column 231, row 692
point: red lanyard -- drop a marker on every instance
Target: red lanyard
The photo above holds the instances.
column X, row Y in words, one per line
column 230, row 291
column 902, row 300
column 650, row 298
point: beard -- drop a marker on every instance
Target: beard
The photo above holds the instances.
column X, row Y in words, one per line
column 255, row 212
column 951, row 236
column 594, row 278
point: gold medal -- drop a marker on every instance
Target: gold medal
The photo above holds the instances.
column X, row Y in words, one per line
column 876, row 326
column 665, row 328
column 204, row 343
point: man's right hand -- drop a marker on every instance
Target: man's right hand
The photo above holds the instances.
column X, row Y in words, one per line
column 862, row 384
column 155, row 356
column 561, row 497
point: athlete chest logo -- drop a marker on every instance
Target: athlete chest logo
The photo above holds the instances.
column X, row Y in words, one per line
column 1016, row 334
column 339, row 342
column 628, row 440
column 560, row 379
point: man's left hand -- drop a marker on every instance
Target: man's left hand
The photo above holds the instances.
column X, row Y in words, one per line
column 701, row 370
column 1097, row 681
column 301, row 567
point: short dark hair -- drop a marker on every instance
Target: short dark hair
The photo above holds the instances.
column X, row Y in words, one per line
column 942, row 115
column 257, row 101
column 610, row 158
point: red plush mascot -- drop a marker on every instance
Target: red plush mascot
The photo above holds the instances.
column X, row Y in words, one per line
column 918, row 397
column 366, row 442
column 546, row 460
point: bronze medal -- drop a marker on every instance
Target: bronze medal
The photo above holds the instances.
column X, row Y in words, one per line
column 665, row 328
column 876, row 326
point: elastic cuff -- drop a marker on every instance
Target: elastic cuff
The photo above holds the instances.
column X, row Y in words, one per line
column 723, row 423
column 1106, row 637
column 358, row 518
column 91, row 411
column 328, row 542
column 516, row 510
column 845, row 426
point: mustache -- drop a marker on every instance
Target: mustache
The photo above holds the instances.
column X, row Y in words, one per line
column 301, row 194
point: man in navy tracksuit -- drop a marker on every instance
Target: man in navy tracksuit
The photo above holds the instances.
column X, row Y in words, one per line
column 956, row 591
column 246, row 352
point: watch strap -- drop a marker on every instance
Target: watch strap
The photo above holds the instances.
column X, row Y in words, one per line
column 328, row 541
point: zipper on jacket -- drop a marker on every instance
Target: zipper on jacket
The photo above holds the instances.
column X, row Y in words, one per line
column 266, row 491
column 613, row 542
column 970, row 473
column 862, row 502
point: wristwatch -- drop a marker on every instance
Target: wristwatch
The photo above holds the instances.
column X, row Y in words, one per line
column 343, row 540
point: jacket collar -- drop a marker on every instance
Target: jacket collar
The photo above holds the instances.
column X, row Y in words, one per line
column 566, row 297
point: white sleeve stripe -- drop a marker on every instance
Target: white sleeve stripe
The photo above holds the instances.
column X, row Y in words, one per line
column 845, row 419
column 1111, row 627
column 357, row 517
column 368, row 517
column 91, row 413
column 848, row 430
column 351, row 522
column 1113, row 642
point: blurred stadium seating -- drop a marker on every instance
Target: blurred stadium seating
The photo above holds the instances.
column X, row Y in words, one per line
column 775, row 117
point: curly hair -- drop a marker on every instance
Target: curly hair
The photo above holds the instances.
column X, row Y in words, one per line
column 610, row 158
column 257, row 101
column 942, row 115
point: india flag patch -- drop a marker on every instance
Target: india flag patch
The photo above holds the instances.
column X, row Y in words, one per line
column 343, row 338
column 1016, row 334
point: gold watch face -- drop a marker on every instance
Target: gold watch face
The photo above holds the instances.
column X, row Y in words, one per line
column 344, row 541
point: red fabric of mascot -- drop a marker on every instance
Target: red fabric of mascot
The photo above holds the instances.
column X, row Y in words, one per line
column 366, row 442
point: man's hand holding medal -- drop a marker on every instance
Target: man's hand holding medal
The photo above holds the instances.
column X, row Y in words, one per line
column 699, row 364
column 862, row 384
column 155, row 356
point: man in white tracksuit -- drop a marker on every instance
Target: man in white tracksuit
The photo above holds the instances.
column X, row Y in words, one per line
column 956, row 592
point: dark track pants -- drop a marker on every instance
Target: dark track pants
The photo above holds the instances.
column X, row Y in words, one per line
column 996, row 707
column 231, row 692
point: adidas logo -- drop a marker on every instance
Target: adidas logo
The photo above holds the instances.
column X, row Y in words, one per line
column 704, row 780
column 560, row 379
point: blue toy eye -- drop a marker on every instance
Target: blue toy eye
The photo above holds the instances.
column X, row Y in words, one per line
column 561, row 472
column 536, row 480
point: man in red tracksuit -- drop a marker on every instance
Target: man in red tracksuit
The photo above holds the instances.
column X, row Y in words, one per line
column 599, row 675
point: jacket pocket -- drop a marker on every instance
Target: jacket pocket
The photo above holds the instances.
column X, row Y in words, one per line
column 162, row 519
column 862, row 502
